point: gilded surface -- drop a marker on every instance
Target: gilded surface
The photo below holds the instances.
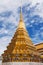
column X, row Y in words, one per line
column 21, row 48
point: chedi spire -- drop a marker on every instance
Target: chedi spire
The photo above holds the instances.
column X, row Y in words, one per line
column 21, row 22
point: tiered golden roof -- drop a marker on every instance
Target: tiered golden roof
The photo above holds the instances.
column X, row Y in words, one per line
column 21, row 48
column 39, row 48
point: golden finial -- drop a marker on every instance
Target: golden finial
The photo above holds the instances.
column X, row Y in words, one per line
column 21, row 17
column 21, row 23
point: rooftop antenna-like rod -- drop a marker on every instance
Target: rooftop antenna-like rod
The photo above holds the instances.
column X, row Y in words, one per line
column 21, row 23
column 21, row 17
column 21, row 6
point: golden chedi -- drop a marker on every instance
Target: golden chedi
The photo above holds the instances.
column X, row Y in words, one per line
column 21, row 48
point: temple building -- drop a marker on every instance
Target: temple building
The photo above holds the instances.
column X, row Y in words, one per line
column 21, row 48
column 39, row 48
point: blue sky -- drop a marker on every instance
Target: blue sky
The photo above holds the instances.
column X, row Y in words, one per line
column 32, row 11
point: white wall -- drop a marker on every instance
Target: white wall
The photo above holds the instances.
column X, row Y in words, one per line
column 22, row 63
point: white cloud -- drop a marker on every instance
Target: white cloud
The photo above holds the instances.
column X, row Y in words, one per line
column 14, row 4
column 41, row 34
column 2, row 31
column 3, row 43
column 39, row 10
column 36, row 39
column 41, row 28
column 12, row 19
column 39, row 7
column 2, row 18
column 32, row 21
